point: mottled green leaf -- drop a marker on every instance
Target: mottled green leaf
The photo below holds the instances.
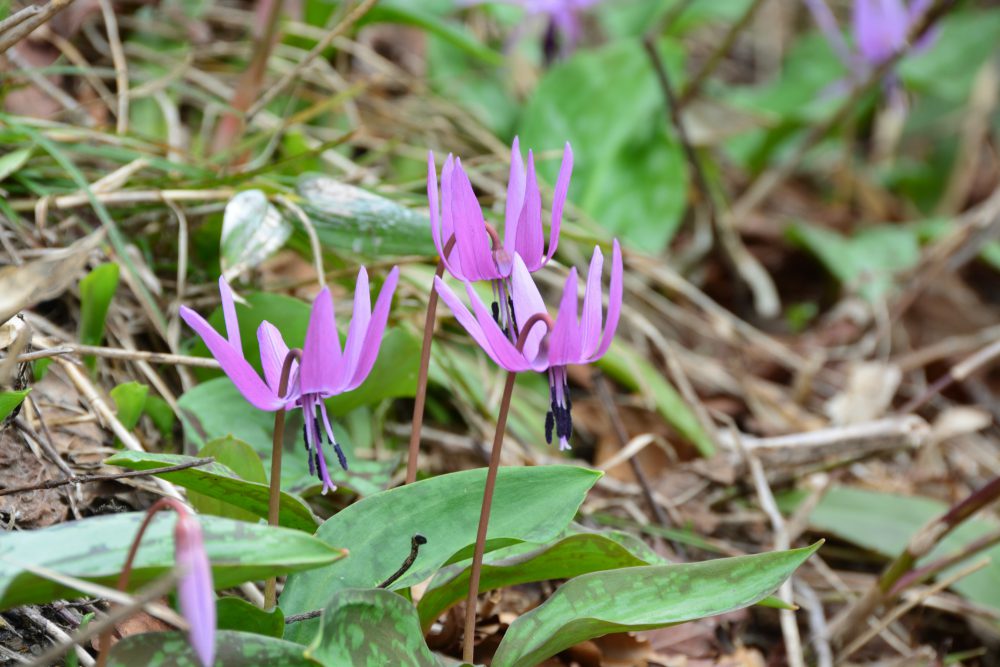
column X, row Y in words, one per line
column 94, row 549
column 218, row 481
column 371, row 628
column 575, row 554
column 253, row 229
column 10, row 400
column 232, row 649
column 642, row 598
column 363, row 223
column 532, row 504
column 233, row 613
column 241, row 459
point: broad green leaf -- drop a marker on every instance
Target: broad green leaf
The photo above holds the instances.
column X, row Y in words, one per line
column 643, row 598
column 233, row 613
column 531, row 504
column 371, row 627
column 847, row 513
column 12, row 161
column 570, row 556
column 630, row 369
column 865, row 263
column 253, row 229
column 628, row 174
column 10, row 400
column 162, row 415
column 363, row 223
column 95, row 548
column 217, row 481
column 97, row 289
column 232, row 649
column 241, row 459
column 130, row 400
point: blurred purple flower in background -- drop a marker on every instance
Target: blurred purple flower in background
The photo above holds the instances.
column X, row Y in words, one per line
column 563, row 27
column 880, row 30
column 195, row 591
column 568, row 339
column 325, row 370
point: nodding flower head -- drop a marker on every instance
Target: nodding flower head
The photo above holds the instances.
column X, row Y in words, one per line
column 536, row 341
column 195, row 591
column 324, row 371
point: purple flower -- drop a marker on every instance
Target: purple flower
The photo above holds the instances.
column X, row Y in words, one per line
column 563, row 17
column 195, row 591
column 880, row 29
column 325, row 370
column 479, row 253
column 568, row 339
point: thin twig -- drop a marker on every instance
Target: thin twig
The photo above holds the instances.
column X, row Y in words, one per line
column 57, row 633
column 154, row 591
column 25, row 27
column 618, row 426
column 19, row 17
column 694, row 86
column 120, row 63
column 85, row 479
column 115, row 353
column 314, row 53
column 956, row 373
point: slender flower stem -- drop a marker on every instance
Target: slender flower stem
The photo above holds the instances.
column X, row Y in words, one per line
column 484, row 520
column 104, row 644
column 468, row 647
column 274, row 500
column 425, row 362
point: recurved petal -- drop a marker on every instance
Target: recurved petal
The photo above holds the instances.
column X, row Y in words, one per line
column 229, row 313
column 559, row 200
column 273, row 351
column 530, row 239
column 373, row 334
column 233, row 364
column 614, row 302
column 590, row 320
column 452, row 261
column 515, row 196
column 527, row 302
column 358, row 332
column 472, row 241
column 498, row 346
column 564, row 341
column 321, row 352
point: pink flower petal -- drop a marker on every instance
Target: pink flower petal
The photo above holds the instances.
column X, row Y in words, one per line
column 229, row 313
column 321, row 352
column 559, row 200
column 357, row 334
column 614, row 302
column 273, row 351
column 472, row 241
column 376, row 327
column 195, row 590
column 233, row 363
column 515, row 197
column 500, row 349
column 590, row 322
column 530, row 239
column 527, row 302
column 564, row 341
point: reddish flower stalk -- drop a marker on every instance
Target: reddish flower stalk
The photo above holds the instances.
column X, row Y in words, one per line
column 194, row 588
column 468, row 647
column 274, row 498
